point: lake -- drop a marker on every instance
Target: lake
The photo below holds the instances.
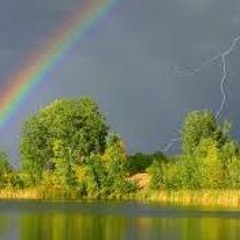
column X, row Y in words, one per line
column 33, row 220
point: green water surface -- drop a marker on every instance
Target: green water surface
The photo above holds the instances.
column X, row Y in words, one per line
column 32, row 220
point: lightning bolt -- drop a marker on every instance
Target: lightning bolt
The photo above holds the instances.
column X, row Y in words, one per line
column 222, row 57
column 224, row 76
column 170, row 144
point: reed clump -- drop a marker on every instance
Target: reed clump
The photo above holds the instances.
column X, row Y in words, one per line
column 224, row 198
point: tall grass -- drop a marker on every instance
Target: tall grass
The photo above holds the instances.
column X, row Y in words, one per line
column 30, row 193
column 225, row 198
column 212, row 198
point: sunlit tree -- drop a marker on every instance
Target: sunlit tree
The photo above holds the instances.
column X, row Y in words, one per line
column 77, row 123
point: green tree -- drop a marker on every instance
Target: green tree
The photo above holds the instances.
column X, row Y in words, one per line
column 189, row 172
column 115, row 155
column 115, row 161
column 96, row 180
column 35, row 147
column 230, row 159
column 200, row 125
column 63, row 169
column 205, row 152
column 157, row 172
column 77, row 123
column 209, row 165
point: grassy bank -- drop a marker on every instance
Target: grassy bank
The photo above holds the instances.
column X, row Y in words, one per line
column 225, row 198
column 211, row 198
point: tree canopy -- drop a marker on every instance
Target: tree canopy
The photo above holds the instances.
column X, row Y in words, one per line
column 199, row 125
column 77, row 123
column 67, row 150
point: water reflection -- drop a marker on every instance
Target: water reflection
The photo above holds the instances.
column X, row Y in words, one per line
column 93, row 221
column 59, row 226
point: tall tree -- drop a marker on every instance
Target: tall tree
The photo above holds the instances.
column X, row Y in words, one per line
column 200, row 125
column 203, row 140
column 77, row 123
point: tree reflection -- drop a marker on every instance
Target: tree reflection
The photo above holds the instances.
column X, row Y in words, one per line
column 95, row 224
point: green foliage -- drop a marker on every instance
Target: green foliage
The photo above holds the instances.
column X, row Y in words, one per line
column 14, row 180
column 35, row 148
column 4, row 169
column 172, row 176
column 164, row 175
column 230, row 159
column 233, row 178
column 106, row 174
column 206, row 148
column 77, row 123
column 4, row 165
column 96, row 175
column 116, row 160
column 66, row 149
column 202, row 125
column 63, row 165
column 157, row 175
column 115, row 154
column 188, row 174
column 210, row 158
column 103, row 181
column 209, row 165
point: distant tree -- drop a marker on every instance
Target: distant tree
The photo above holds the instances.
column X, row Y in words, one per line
column 76, row 123
column 140, row 162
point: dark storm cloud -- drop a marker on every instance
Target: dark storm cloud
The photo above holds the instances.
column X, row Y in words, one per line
column 134, row 64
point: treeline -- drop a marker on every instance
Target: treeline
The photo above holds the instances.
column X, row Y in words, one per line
column 209, row 159
column 67, row 150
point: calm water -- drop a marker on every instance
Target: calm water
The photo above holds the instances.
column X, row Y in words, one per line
column 114, row 221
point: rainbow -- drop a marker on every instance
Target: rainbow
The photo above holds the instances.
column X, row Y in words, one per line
column 41, row 61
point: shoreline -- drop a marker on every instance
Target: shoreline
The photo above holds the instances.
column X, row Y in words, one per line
column 204, row 198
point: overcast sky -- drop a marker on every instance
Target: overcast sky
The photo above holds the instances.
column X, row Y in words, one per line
column 135, row 63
